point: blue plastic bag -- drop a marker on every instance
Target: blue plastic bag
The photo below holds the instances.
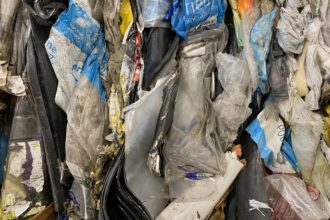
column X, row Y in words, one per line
column 187, row 15
column 261, row 35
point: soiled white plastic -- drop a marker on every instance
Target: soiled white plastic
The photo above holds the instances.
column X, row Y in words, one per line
column 293, row 190
column 306, row 130
column 291, row 30
column 321, row 174
column 232, row 105
column 197, row 200
column 313, row 77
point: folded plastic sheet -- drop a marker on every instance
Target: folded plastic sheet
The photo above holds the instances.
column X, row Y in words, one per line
column 261, row 35
column 293, row 190
column 321, row 174
column 232, row 105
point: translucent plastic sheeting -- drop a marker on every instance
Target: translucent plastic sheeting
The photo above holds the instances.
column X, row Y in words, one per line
column 261, row 35
column 154, row 12
column 141, row 120
column 197, row 199
column 232, row 105
column 193, row 144
column 306, row 130
column 293, row 190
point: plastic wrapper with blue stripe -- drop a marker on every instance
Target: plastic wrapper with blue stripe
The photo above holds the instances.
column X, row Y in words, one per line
column 77, row 51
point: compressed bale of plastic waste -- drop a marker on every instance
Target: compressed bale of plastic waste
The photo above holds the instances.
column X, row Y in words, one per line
column 293, row 190
column 190, row 15
column 232, row 105
column 193, row 147
column 261, row 35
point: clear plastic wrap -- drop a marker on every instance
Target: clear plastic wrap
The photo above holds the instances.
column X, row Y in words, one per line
column 154, row 12
column 193, row 145
column 232, row 105
column 295, row 202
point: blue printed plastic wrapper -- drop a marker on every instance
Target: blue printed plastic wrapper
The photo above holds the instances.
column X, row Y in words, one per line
column 189, row 15
column 261, row 35
column 77, row 51
column 72, row 39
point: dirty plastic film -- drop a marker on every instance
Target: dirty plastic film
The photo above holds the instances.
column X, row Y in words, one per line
column 165, row 109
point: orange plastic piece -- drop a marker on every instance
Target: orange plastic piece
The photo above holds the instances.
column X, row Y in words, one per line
column 243, row 6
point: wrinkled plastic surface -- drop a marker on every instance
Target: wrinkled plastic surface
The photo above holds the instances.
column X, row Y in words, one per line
column 192, row 14
column 306, row 131
column 80, row 92
column 140, row 135
column 261, row 35
column 291, row 30
column 232, row 105
column 268, row 132
column 154, row 12
column 293, row 190
column 193, row 144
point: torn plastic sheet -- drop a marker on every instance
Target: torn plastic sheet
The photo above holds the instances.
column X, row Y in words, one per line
column 261, row 35
column 197, row 199
column 73, row 38
column 232, row 105
column 268, row 132
column 293, row 190
column 191, row 15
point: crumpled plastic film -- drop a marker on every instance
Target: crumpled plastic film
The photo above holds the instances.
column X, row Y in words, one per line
column 291, row 30
column 293, row 190
column 154, row 12
column 321, row 174
column 232, row 105
column 306, row 130
column 193, row 146
column 237, row 22
column 261, row 35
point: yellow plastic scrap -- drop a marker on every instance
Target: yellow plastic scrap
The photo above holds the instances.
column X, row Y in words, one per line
column 300, row 74
column 326, row 126
column 125, row 15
